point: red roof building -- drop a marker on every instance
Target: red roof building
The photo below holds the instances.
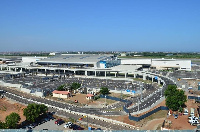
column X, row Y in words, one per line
column 61, row 94
column 89, row 96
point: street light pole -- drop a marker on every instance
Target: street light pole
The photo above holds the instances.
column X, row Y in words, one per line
column 138, row 104
column 87, row 122
column 141, row 90
column 105, row 99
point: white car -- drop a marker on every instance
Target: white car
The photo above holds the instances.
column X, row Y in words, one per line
column 193, row 117
column 68, row 124
column 194, row 122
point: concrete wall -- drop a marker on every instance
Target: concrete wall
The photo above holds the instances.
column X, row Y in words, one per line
column 25, row 90
column 10, row 84
column 39, row 94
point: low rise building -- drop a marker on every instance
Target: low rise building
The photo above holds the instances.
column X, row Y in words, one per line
column 89, row 96
column 61, row 94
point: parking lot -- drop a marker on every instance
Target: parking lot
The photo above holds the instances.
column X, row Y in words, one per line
column 50, row 125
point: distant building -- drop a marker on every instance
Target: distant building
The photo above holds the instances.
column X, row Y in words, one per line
column 28, row 60
column 81, row 61
column 89, row 96
column 123, row 54
column 54, row 53
column 159, row 64
column 171, row 63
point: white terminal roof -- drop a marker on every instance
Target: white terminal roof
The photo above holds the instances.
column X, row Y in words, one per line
column 75, row 58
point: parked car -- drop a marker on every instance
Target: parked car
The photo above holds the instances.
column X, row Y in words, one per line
column 185, row 111
column 175, row 116
column 73, row 126
column 47, row 119
column 58, row 121
column 193, row 117
column 68, row 125
column 194, row 122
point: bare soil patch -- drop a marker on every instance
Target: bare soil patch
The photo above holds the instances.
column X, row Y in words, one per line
column 8, row 106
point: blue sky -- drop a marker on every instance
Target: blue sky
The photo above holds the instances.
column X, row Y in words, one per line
column 100, row 25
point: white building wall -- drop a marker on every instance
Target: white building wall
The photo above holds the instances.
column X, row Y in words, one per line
column 25, row 90
column 10, row 84
column 56, row 95
column 63, row 96
column 166, row 63
column 135, row 61
column 39, row 94
column 31, row 59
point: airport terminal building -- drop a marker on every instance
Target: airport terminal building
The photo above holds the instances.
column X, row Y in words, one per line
column 159, row 64
column 81, row 61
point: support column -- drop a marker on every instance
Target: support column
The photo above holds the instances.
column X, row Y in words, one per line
column 125, row 75
column 144, row 77
column 15, row 69
column 95, row 73
column 115, row 74
column 152, row 78
column 158, row 81
column 7, row 68
column 105, row 73
column 134, row 75
column 21, row 70
column 45, row 72
column 85, row 73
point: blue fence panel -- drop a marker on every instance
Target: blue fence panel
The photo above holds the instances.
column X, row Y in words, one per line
column 115, row 98
column 191, row 97
column 147, row 114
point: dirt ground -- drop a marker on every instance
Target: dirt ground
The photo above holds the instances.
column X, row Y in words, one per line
column 193, row 82
column 156, row 120
column 82, row 100
column 178, row 123
column 181, row 123
column 8, row 106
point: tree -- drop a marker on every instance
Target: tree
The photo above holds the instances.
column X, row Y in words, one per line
column 12, row 120
column 2, row 125
column 61, row 88
column 104, row 90
column 33, row 111
column 175, row 99
column 75, row 86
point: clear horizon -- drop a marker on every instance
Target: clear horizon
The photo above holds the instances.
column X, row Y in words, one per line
column 114, row 25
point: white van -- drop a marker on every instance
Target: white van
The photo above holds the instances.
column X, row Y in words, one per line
column 192, row 111
column 185, row 111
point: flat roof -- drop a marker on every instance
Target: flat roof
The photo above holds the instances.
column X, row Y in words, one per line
column 75, row 59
